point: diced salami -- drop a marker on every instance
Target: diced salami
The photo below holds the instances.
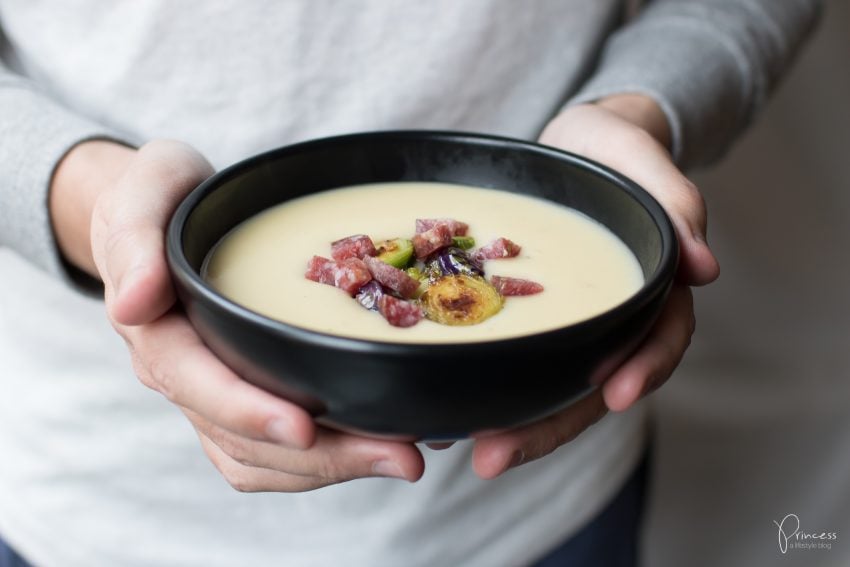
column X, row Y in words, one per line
column 351, row 274
column 357, row 246
column 321, row 270
column 399, row 313
column 432, row 240
column 499, row 248
column 379, row 285
column 392, row 277
column 515, row 286
column 456, row 227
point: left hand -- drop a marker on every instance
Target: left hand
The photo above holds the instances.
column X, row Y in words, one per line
column 628, row 133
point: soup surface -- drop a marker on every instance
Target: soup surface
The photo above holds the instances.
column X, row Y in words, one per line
column 584, row 268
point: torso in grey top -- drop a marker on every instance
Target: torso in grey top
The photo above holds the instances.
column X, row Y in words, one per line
column 97, row 470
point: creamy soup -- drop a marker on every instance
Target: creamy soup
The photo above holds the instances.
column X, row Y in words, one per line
column 584, row 268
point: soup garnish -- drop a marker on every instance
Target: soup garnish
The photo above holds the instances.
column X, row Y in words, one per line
column 435, row 274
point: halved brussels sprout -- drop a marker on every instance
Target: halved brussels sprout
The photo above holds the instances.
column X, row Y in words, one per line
column 417, row 274
column 463, row 242
column 396, row 252
column 461, row 300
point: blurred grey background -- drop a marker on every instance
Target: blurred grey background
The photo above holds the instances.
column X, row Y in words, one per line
column 755, row 425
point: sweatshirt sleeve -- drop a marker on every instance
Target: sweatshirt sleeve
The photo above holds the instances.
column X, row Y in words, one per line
column 35, row 134
column 710, row 64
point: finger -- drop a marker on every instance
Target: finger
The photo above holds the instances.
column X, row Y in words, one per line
column 644, row 161
column 139, row 288
column 657, row 356
column 494, row 454
column 171, row 359
column 334, row 457
column 686, row 209
column 610, row 140
column 128, row 228
column 252, row 479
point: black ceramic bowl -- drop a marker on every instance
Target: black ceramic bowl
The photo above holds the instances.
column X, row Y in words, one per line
column 425, row 391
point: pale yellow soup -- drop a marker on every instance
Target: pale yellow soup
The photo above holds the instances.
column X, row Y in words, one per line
column 584, row 268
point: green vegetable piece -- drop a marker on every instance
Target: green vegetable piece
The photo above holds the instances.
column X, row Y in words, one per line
column 396, row 252
column 417, row 274
column 461, row 300
column 463, row 242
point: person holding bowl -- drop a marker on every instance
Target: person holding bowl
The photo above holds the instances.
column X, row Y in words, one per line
column 99, row 471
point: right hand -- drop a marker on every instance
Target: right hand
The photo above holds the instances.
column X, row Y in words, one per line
column 259, row 442
column 630, row 133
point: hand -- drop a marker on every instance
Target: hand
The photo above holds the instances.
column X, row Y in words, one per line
column 258, row 441
column 627, row 133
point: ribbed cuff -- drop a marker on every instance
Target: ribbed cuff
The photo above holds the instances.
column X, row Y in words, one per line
column 35, row 134
column 709, row 65
column 694, row 77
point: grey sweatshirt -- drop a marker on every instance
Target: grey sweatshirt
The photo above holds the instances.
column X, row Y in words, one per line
column 94, row 463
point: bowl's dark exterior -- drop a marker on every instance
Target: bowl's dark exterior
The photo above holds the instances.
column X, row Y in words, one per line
column 420, row 390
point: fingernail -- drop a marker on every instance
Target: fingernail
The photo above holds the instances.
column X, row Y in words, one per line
column 387, row 468
column 699, row 237
column 280, row 429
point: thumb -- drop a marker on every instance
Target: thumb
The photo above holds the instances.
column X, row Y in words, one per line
column 624, row 147
column 128, row 229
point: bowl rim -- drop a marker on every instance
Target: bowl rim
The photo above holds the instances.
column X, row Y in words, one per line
column 658, row 283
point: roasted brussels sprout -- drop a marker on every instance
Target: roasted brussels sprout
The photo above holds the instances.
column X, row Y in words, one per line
column 460, row 300
column 396, row 252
